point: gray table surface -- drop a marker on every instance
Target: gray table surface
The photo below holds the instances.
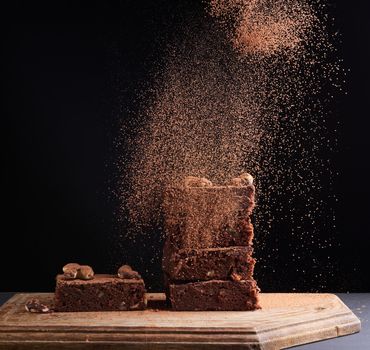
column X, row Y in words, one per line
column 359, row 303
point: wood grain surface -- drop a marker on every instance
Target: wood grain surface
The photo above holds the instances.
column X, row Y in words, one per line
column 285, row 320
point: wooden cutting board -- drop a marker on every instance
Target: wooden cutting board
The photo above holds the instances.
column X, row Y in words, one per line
column 285, row 320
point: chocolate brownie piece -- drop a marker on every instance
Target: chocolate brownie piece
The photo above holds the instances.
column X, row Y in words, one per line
column 207, row 217
column 241, row 234
column 207, row 228
column 215, row 295
column 235, row 263
column 103, row 293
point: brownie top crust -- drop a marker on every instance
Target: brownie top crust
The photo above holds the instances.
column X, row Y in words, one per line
column 174, row 193
column 226, row 250
column 98, row 279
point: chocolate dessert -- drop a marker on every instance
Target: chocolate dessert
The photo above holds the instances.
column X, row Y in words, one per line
column 215, row 295
column 209, row 217
column 207, row 264
column 102, row 293
column 207, row 255
column 79, row 289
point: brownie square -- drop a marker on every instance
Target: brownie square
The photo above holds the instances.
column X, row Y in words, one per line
column 241, row 234
column 215, row 295
column 235, row 263
column 103, row 293
column 207, row 217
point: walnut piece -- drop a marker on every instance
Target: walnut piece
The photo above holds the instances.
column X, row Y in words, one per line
column 126, row 272
column 193, row 181
column 35, row 306
column 244, row 179
column 85, row 272
column 70, row 270
column 235, row 277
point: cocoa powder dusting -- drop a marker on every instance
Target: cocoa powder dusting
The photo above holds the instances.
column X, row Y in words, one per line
column 241, row 89
column 264, row 26
column 208, row 212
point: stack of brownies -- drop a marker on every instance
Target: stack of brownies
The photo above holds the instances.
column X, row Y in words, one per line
column 207, row 256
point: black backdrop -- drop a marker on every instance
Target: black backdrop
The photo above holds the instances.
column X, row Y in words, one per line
column 68, row 68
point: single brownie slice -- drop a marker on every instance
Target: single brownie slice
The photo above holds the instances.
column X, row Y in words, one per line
column 103, row 293
column 215, row 295
column 206, row 217
column 227, row 233
column 235, row 263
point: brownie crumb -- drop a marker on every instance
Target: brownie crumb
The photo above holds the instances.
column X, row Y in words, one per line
column 35, row 306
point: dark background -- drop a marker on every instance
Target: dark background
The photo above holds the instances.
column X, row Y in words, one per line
column 71, row 70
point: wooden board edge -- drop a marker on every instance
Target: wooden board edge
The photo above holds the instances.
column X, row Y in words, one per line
column 345, row 323
column 143, row 340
